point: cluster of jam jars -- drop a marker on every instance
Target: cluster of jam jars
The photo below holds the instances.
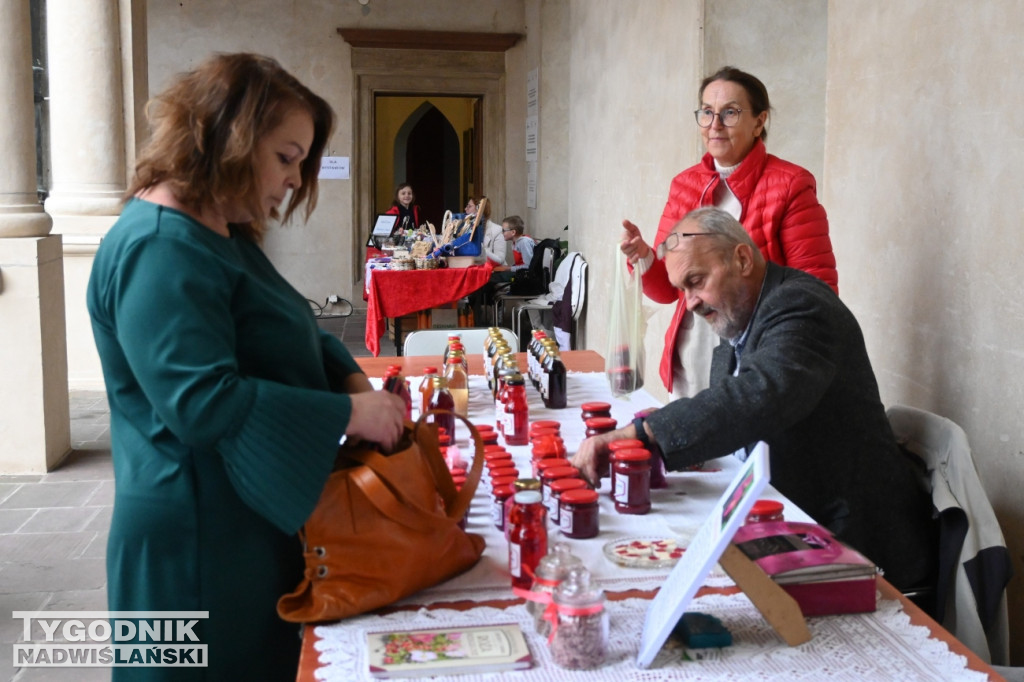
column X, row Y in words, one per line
column 546, row 370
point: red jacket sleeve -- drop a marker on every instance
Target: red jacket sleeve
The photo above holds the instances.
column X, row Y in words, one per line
column 803, row 234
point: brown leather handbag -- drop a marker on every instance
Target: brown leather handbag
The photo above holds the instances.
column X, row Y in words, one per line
column 385, row 527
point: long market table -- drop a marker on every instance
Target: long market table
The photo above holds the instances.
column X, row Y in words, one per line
column 476, row 592
column 394, row 293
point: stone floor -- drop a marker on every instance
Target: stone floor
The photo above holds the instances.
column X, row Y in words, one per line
column 53, row 527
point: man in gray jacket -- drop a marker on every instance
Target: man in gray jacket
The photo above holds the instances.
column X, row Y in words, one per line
column 791, row 370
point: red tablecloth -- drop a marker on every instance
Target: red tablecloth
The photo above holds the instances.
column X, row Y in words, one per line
column 394, row 293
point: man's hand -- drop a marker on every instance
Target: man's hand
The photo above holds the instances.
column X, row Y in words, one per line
column 592, row 457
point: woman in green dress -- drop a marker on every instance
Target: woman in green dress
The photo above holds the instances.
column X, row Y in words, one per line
column 227, row 402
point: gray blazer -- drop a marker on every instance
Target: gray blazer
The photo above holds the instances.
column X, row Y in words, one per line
column 806, row 387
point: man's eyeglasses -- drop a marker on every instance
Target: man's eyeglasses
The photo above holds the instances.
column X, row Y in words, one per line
column 675, row 240
column 729, row 117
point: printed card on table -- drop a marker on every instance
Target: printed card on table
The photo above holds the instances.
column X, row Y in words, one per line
column 707, row 546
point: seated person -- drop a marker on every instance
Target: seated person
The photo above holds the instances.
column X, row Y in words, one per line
column 494, row 238
column 403, row 206
column 791, row 370
column 513, row 228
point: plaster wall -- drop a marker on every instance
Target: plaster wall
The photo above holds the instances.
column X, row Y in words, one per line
column 317, row 257
column 922, row 183
column 548, row 50
column 635, row 71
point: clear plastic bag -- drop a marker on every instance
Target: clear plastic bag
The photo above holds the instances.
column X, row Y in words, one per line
column 624, row 359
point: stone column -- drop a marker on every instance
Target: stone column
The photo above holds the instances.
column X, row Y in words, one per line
column 86, row 109
column 34, row 414
column 20, row 212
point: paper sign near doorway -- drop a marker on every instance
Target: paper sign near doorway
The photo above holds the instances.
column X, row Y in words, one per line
column 334, row 168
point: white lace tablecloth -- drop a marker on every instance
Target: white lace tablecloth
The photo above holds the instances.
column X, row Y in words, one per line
column 881, row 646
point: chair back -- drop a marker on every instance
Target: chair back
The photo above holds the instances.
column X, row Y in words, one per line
column 578, row 277
column 974, row 563
column 434, row 341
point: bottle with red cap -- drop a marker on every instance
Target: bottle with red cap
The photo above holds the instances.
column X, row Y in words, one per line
column 395, row 383
column 458, row 382
column 528, row 538
column 516, row 424
column 442, row 400
column 426, row 388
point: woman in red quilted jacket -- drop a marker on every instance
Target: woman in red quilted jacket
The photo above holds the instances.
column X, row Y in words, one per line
column 775, row 200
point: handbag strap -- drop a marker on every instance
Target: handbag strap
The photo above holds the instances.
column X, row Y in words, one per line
column 369, row 479
column 456, row 502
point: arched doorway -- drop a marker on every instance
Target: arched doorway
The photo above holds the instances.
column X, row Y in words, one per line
column 379, row 71
column 427, row 156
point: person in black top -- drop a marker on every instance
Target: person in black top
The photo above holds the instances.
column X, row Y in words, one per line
column 404, row 207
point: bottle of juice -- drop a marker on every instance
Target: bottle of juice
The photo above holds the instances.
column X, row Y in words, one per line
column 458, row 383
column 426, row 388
column 442, row 400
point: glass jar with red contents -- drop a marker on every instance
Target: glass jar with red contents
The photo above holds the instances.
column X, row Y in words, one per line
column 538, row 434
column 553, row 474
column 541, row 465
column 504, row 471
column 498, row 460
column 547, row 446
column 631, row 481
column 511, row 509
column 598, row 425
column 766, row 510
column 578, row 513
column 517, row 412
column 545, row 424
column 497, row 482
column 501, row 495
column 559, row 486
column 528, row 538
column 595, row 409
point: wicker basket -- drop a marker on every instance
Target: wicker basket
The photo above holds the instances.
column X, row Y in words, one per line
column 403, row 264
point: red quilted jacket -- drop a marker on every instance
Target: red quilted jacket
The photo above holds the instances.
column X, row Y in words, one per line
column 780, row 212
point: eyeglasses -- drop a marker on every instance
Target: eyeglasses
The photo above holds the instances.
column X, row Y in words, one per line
column 675, row 240
column 729, row 117
column 507, row 229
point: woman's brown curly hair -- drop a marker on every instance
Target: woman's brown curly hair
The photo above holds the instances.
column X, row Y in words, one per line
column 206, row 127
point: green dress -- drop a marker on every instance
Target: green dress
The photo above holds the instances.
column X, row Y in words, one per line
column 226, row 413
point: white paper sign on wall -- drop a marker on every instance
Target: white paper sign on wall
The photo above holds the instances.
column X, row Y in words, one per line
column 334, row 168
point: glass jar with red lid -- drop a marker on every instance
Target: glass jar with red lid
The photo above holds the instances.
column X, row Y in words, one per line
column 497, row 482
column 631, row 481
column 595, row 409
column 766, row 510
column 541, row 465
column 504, row 471
column 598, row 425
column 545, row 424
column 553, row 474
column 559, row 486
column 501, row 495
column 548, row 446
column 578, row 513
